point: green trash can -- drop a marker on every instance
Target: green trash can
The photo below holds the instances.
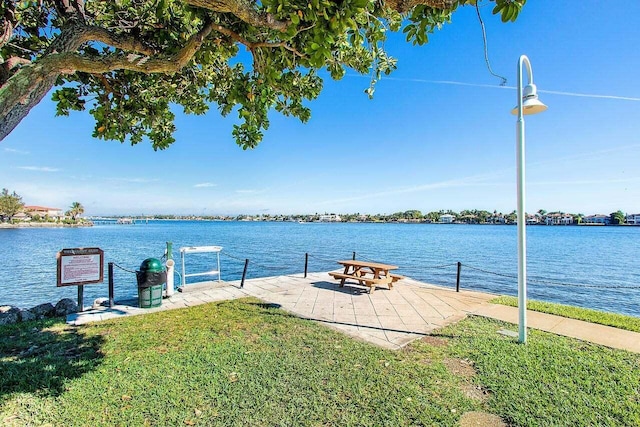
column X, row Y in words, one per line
column 151, row 277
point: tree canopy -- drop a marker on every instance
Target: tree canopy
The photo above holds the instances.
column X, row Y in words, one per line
column 618, row 217
column 129, row 62
column 75, row 210
column 10, row 205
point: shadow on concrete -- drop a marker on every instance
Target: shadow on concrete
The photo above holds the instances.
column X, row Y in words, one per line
column 40, row 357
column 378, row 328
column 348, row 288
column 269, row 307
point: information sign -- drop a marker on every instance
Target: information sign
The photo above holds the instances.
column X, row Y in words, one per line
column 80, row 266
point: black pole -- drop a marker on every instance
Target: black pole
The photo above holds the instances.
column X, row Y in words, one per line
column 111, row 303
column 354, row 255
column 80, row 298
column 244, row 272
column 458, row 277
column 306, row 263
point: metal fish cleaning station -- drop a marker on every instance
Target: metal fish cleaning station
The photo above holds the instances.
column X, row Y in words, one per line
column 389, row 318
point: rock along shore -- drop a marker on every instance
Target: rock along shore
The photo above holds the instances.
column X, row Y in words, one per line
column 10, row 314
column 43, row 225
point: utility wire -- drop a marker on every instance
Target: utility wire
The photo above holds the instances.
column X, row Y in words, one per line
column 486, row 48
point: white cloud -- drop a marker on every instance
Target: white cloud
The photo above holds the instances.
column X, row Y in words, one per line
column 135, row 180
column 205, row 185
column 39, row 168
column 553, row 92
column 488, row 179
column 13, row 150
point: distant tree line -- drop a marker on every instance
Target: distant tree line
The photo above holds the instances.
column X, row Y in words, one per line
column 11, row 204
column 469, row 216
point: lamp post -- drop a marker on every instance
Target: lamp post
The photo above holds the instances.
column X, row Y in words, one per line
column 528, row 103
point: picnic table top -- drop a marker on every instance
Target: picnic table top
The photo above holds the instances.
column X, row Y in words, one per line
column 376, row 265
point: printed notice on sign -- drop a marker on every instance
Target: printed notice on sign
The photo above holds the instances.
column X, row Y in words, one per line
column 80, row 266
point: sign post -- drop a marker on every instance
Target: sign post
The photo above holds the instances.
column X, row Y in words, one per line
column 79, row 267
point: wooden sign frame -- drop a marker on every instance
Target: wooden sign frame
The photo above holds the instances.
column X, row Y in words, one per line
column 80, row 263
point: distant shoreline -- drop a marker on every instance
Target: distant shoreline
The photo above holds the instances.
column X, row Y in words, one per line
column 44, row 225
column 143, row 221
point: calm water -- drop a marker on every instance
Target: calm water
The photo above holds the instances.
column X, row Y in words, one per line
column 584, row 266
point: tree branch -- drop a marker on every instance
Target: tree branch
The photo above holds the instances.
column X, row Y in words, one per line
column 107, row 87
column 245, row 10
column 7, row 22
column 27, row 86
column 403, row 6
column 254, row 45
column 280, row 44
column 119, row 41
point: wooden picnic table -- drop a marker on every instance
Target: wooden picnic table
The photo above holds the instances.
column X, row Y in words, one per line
column 367, row 273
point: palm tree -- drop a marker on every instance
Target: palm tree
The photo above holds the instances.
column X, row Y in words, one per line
column 618, row 217
column 76, row 210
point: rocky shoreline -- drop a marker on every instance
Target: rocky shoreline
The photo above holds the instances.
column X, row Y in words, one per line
column 44, row 225
column 10, row 314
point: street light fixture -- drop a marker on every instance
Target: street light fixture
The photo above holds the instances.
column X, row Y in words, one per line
column 528, row 103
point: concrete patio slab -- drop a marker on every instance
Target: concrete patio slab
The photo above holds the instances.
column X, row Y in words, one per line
column 388, row 318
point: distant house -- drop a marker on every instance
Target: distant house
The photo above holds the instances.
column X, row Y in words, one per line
column 21, row 216
column 633, row 219
column 559, row 219
column 533, row 219
column 567, row 219
column 330, row 218
column 597, row 219
column 447, row 218
column 44, row 211
column 552, row 219
column 497, row 219
column 469, row 219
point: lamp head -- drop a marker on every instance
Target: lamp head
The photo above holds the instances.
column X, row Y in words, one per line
column 530, row 102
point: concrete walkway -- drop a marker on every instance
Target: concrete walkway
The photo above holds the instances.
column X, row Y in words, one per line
column 585, row 331
column 388, row 318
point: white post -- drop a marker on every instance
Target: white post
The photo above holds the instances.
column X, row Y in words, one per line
column 522, row 237
column 528, row 103
column 184, row 281
column 170, row 267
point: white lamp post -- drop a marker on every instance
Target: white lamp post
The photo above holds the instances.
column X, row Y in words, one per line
column 528, row 103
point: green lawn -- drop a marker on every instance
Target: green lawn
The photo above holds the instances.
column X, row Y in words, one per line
column 620, row 321
column 242, row 363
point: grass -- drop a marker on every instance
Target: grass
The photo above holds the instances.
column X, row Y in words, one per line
column 243, row 363
column 620, row 321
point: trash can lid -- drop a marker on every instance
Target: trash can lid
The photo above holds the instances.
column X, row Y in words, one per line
column 152, row 265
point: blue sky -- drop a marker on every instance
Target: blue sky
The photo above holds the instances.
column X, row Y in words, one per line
column 437, row 135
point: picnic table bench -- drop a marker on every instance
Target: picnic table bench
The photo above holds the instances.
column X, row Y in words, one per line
column 367, row 273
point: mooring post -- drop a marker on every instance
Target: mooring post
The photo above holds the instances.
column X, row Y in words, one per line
column 354, row 255
column 306, row 263
column 244, row 272
column 80, row 298
column 458, row 277
column 110, row 273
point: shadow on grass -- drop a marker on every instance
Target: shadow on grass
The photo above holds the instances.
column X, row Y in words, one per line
column 266, row 305
column 40, row 357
